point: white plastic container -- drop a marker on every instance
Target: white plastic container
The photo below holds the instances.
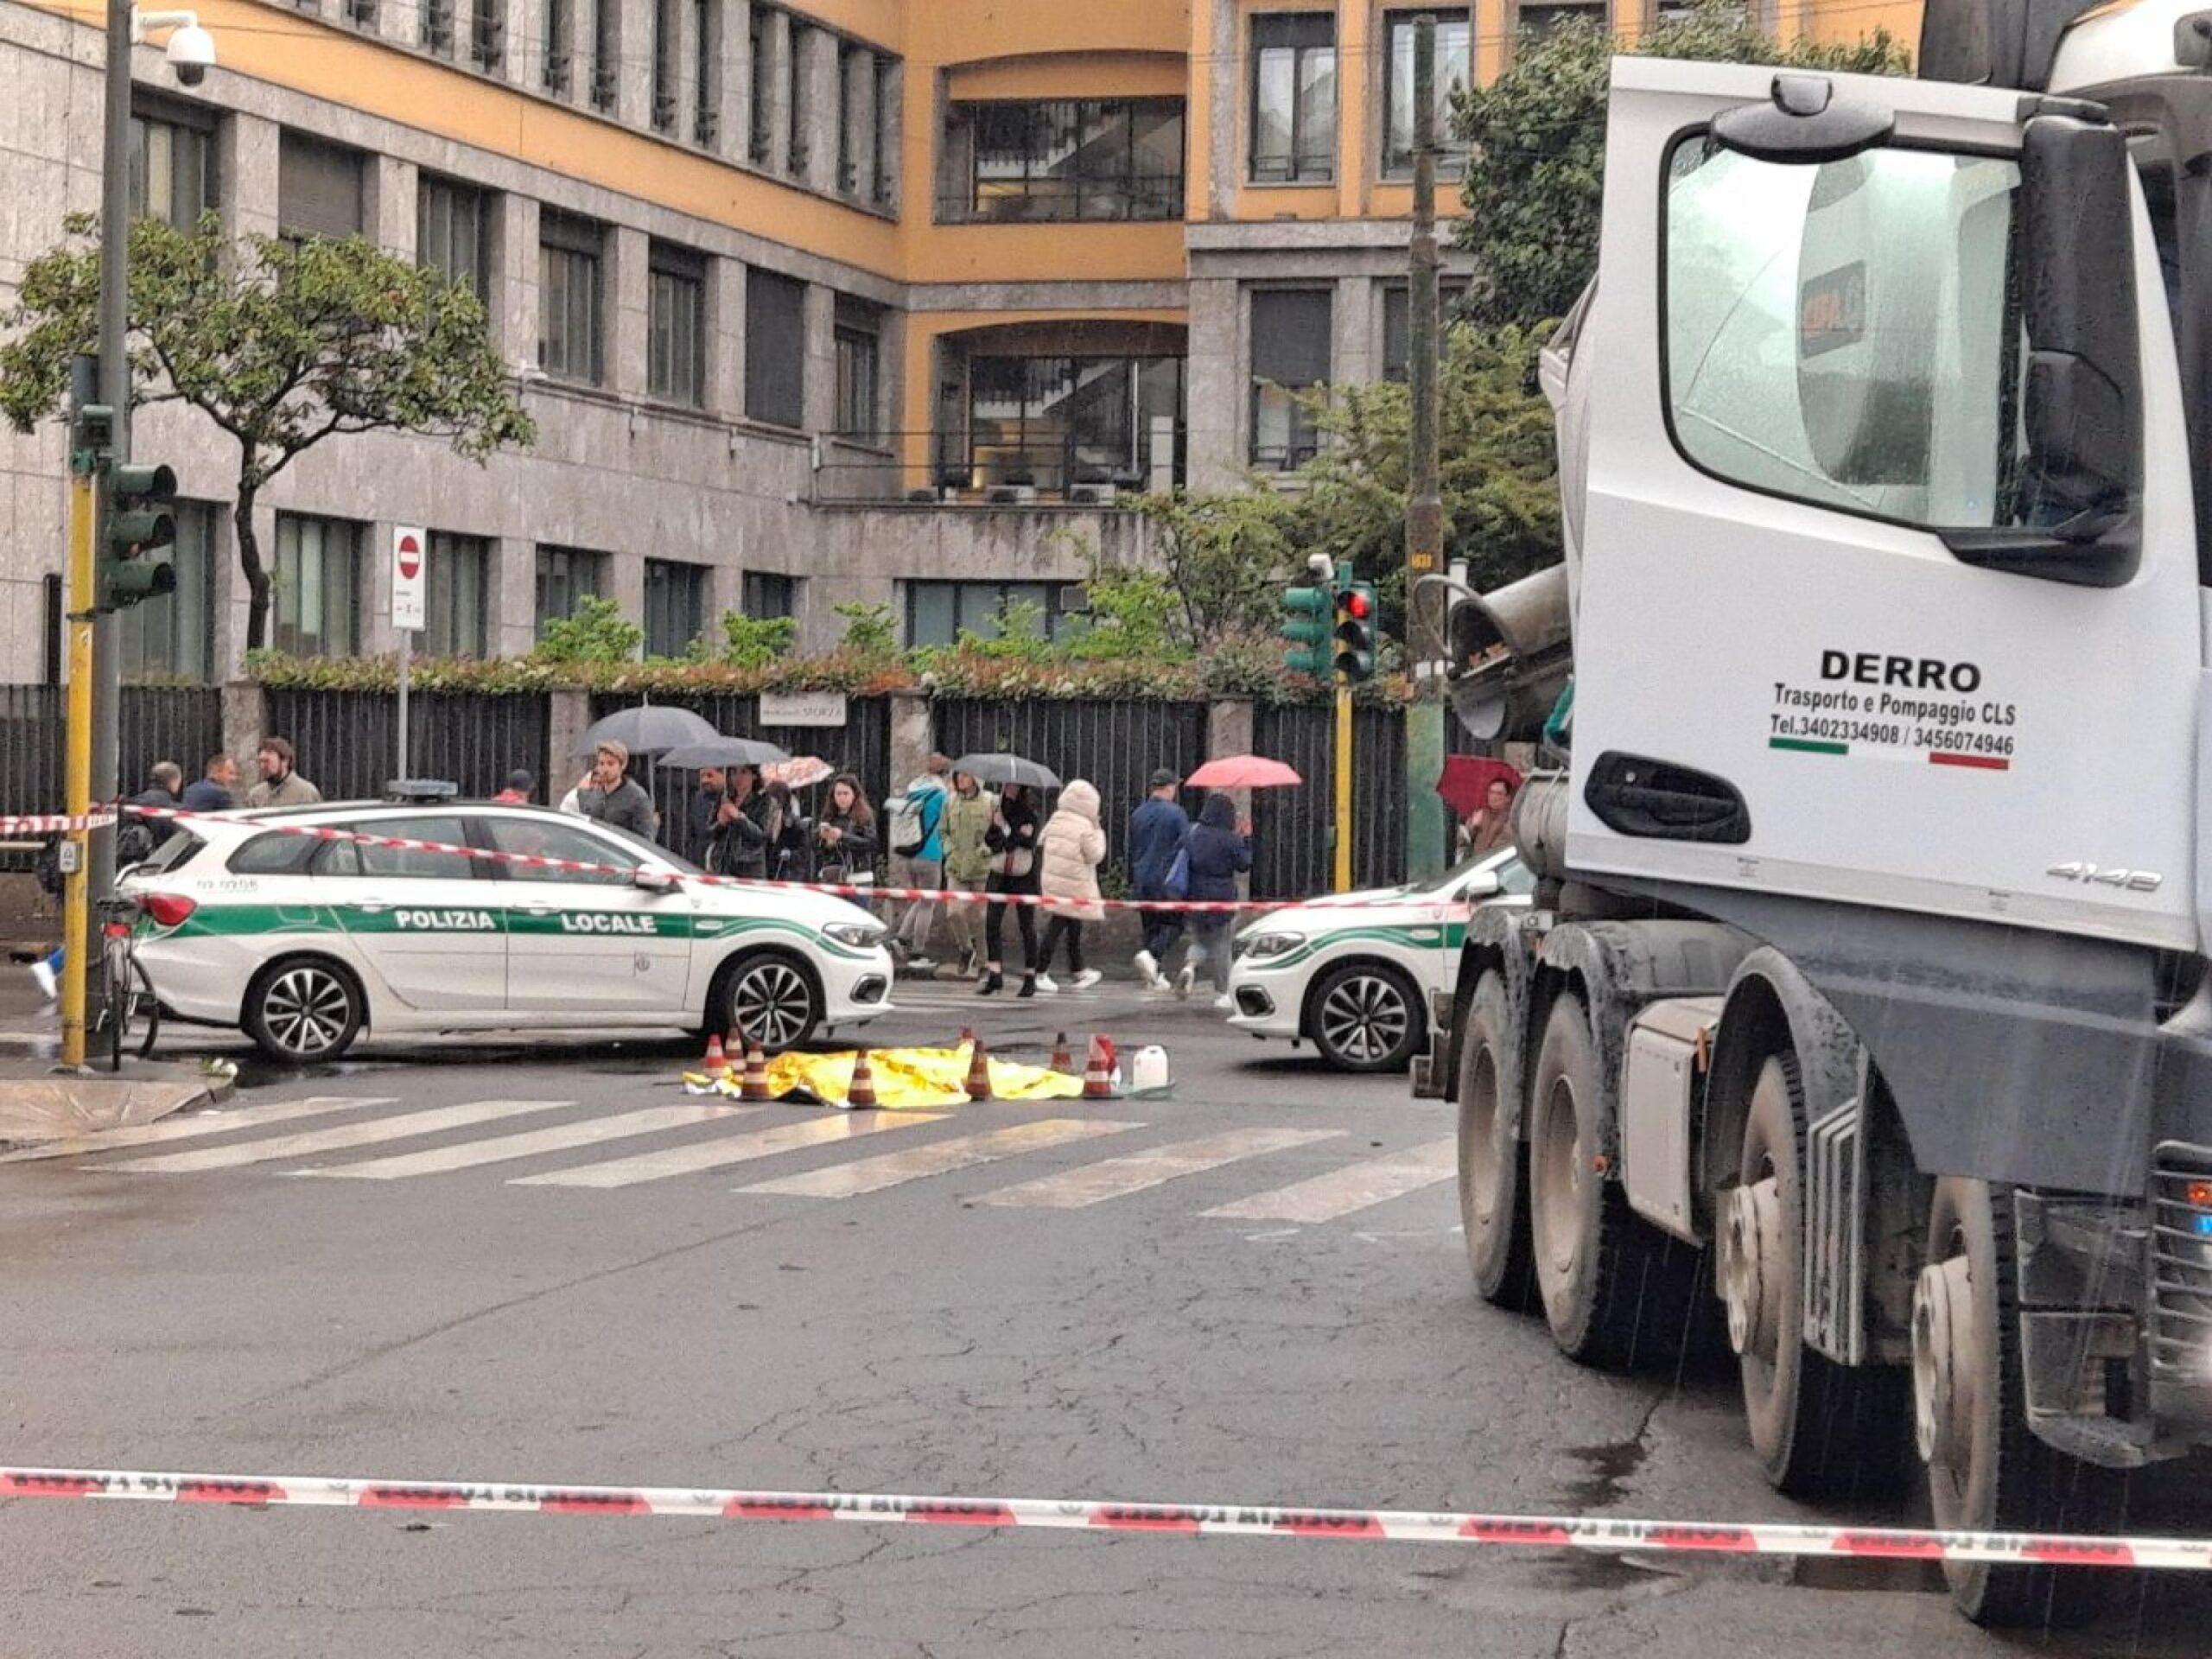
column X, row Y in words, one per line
column 1148, row 1073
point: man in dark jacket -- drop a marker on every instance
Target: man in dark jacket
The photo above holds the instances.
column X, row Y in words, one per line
column 1156, row 832
column 164, row 779
column 210, row 792
column 706, row 807
column 1221, row 850
column 613, row 797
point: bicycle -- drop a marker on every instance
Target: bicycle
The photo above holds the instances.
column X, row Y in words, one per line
column 128, row 1015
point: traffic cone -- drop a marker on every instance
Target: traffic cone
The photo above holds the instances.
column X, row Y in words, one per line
column 754, row 1084
column 715, row 1060
column 967, row 1035
column 1061, row 1060
column 1099, row 1070
column 860, row 1094
column 979, row 1072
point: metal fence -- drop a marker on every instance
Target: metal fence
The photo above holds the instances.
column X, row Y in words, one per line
column 861, row 746
column 346, row 741
column 1291, row 855
column 158, row 723
column 1116, row 744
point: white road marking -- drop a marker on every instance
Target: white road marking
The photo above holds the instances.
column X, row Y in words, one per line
column 1356, row 1186
column 191, row 1126
column 938, row 1158
column 735, row 1149
column 344, row 1138
column 529, row 1144
column 1116, row 1178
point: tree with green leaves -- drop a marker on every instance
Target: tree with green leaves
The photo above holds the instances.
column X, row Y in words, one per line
column 1536, row 143
column 281, row 344
column 1223, row 554
column 595, row 631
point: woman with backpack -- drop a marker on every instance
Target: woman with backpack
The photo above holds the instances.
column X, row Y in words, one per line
column 1217, row 851
column 1073, row 847
column 1013, row 842
column 916, row 839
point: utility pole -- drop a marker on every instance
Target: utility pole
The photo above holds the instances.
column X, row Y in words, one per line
column 77, row 755
column 115, row 392
column 1427, row 831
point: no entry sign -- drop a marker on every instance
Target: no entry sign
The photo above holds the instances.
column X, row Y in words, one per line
column 410, row 560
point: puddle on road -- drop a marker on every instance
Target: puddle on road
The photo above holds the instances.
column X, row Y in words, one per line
column 1607, row 1467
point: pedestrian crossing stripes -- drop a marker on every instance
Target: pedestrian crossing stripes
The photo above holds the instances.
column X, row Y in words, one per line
column 1116, row 1178
column 343, row 1138
column 709, row 1136
column 738, row 1149
column 529, row 1143
column 1354, row 1187
column 939, row 1158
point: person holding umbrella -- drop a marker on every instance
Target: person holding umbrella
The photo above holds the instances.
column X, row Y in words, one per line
column 611, row 796
column 738, row 843
column 1011, row 840
column 1218, row 851
column 964, row 828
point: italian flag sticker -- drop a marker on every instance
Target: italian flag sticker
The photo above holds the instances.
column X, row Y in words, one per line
column 1883, row 751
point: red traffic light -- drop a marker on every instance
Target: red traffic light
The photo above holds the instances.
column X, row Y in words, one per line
column 1355, row 604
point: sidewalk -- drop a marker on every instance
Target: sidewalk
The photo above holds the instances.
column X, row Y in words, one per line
column 40, row 1102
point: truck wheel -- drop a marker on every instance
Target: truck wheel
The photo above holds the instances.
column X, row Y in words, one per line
column 1493, row 1179
column 1616, row 1292
column 1986, row 1472
column 1820, row 1429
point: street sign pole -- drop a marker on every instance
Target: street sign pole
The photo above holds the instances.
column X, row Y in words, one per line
column 409, row 577
column 1427, row 832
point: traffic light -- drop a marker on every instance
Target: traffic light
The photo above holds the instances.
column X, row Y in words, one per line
column 1306, row 631
column 1356, row 631
column 138, row 516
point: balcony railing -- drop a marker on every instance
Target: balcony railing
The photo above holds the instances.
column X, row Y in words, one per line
column 949, row 470
column 1060, row 201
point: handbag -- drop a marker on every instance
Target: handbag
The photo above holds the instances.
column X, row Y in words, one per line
column 1017, row 863
column 1178, row 874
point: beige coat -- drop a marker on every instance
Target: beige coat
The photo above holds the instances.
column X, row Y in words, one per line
column 1074, row 847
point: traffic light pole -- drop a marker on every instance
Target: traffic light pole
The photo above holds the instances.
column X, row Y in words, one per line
column 77, row 778
column 106, row 676
column 1343, row 836
column 1427, row 831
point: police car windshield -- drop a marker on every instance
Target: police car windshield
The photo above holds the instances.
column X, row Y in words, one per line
column 644, row 849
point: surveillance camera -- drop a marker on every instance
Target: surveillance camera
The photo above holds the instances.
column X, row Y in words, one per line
column 191, row 53
column 1321, row 567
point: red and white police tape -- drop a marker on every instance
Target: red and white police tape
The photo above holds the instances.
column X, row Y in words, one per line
column 576, row 866
column 55, row 823
column 1392, row 1526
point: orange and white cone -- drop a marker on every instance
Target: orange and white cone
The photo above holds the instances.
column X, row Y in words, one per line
column 1099, row 1070
column 979, row 1072
column 754, row 1084
column 1061, row 1060
column 715, row 1060
column 860, row 1094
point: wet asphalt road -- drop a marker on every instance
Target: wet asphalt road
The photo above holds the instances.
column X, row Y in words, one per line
column 286, row 1310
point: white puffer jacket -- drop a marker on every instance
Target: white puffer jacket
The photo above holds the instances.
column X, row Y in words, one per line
column 1074, row 848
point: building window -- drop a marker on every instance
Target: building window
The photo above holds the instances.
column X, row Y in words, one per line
column 763, row 79
column 458, row 578
column 488, row 35
column 795, row 99
column 1073, row 158
column 1054, row 422
column 1294, row 97
column 1397, row 326
column 1543, row 16
column 453, row 233
column 1290, row 357
column 172, row 169
column 676, row 325
column 675, row 606
column 318, row 188
column 361, row 14
column 173, row 636
column 857, row 402
column 765, row 593
column 666, row 46
column 938, row 612
column 317, row 576
column 775, row 348
column 437, row 27
column 1452, row 70
column 853, row 61
column 565, row 575
column 706, row 73
column 559, row 27
column 570, row 255
column 605, row 61
column 886, row 132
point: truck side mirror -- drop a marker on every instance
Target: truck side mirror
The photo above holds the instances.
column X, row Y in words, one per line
column 2078, row 489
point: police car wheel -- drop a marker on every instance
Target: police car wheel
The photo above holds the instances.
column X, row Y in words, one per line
column 770, row 999
column 304, row 1010
column 1362, row 1018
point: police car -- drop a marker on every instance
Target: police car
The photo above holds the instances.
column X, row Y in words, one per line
column 304, row 942
column 1353, row 972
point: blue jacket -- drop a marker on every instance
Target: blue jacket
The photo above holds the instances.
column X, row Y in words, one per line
column 932, row 811
column 205, row 795
column 1156, row 832
column 1218, row 853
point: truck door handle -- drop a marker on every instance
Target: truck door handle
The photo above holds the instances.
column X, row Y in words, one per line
column 1659, row 800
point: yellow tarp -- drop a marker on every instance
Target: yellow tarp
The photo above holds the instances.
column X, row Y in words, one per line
column 907, row 1079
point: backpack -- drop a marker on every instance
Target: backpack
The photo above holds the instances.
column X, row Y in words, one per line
column 134, row 842
column 913, row 820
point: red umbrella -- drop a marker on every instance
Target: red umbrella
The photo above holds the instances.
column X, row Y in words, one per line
column 1242, row 771
column 1467, row 779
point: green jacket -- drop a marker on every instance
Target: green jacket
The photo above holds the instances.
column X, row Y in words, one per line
column 966, row 821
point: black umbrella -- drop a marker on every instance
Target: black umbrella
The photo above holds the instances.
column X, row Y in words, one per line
column 724, row 751
column 650, row 728
column 1007, row 769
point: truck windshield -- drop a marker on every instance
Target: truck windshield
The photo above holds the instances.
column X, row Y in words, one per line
column 1846, row 333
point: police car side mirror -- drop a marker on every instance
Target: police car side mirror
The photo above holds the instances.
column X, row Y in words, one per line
column 1484, row 886
column 652, row 880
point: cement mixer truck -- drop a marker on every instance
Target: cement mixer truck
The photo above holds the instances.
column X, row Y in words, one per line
column 1863, row 1010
